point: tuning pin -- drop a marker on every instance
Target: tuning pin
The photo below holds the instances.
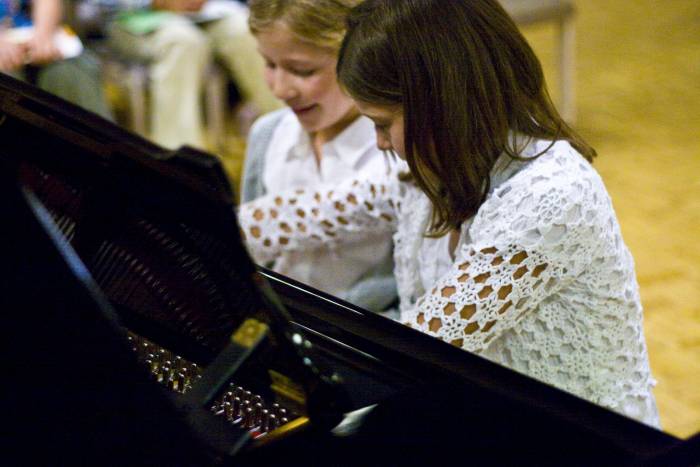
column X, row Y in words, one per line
column 265, row 421
column 229, row 411
column 245, row 404
column 237, row 406
column 186, row 380
column 162, row 374
column 248, row 418
column 257, row 414
column 173, row 382
column 272, row 422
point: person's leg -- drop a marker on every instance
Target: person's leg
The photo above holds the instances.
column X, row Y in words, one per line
column 78, row 80
column 178, row 53
column 235, row 46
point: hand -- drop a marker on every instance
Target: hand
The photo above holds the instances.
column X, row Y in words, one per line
column 180, row 6
column 12, row 55
column 41, row 49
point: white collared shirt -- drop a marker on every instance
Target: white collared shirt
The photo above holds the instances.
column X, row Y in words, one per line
column 290, row 164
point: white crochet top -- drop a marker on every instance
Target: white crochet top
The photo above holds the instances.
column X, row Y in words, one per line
column 541, row 280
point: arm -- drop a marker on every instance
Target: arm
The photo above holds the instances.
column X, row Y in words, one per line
column 486, row 292
column 303, row 220
column 11, row 55
column 46, row 17
column 535, row 235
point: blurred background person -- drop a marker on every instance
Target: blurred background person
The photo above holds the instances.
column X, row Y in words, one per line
column 29, row 49
column 179, row 39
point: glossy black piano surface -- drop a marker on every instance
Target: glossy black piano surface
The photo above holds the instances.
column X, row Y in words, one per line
column 167, row 275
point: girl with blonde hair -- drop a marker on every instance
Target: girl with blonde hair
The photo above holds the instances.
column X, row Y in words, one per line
column 319, row 138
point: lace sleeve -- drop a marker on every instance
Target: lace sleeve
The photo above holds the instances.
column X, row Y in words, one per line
column 486, row 292
column 304, row 219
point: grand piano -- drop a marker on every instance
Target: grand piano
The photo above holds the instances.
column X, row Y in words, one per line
column 139, row 332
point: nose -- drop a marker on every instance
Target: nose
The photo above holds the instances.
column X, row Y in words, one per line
column 282, row 85
column 383, row 142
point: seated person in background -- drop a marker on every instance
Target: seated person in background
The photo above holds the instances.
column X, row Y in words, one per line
column 319, row 138
column 179, row 38
column 506, row 241
column 37, row 58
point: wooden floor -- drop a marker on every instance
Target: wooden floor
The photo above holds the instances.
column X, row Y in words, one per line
column 638, row 98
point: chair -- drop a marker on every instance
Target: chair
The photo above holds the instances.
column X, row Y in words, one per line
column 562, row 12
column 132, row 76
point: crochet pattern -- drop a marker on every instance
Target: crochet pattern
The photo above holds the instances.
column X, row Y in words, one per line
column 541, row 281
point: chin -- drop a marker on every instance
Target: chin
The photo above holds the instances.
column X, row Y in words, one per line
column 310, row 127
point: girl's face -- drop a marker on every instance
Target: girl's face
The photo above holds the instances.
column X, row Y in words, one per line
column 303, row 76
column 388, row 123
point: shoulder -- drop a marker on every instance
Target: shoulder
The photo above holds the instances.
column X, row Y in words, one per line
column 259, row 138
column 554, row 168
column 267, row 123
column 552, row 196
column 559, row 168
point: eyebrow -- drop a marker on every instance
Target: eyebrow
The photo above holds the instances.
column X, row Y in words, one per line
column 290, row 61
column 302, row 61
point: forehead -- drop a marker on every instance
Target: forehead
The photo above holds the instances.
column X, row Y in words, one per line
column 278, row 41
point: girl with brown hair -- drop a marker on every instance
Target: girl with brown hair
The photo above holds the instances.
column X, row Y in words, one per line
column 506, row 241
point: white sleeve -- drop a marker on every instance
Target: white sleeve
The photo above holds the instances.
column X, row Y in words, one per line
column 534, row 236
column 332, row 215
column 486, row 292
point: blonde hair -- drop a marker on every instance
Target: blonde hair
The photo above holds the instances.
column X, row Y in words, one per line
column 319, row 22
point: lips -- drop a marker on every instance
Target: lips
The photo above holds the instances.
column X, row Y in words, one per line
column 301, row 110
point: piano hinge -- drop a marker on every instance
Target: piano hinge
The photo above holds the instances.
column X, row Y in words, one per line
column 249, row 333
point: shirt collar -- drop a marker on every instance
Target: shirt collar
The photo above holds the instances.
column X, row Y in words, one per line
column 349, row 146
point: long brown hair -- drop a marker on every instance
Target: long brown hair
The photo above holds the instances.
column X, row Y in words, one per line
column 466, row 79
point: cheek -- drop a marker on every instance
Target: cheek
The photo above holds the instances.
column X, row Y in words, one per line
column 315, row 88
column 397, row 142
column 325, row 88
column 342, row 102
column 268, row 76
column 322, row 90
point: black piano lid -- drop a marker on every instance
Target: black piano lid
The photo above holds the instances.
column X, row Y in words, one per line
column 72, row 392
column 35, row 124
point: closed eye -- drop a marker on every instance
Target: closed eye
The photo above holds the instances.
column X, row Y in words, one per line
column 303, row 73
